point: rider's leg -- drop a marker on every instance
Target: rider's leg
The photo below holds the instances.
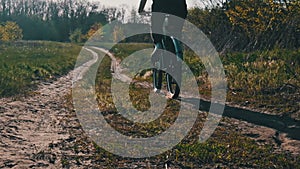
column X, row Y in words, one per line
column 157, row 31
column 174, row 28
column 157, row 20
column 156, row 54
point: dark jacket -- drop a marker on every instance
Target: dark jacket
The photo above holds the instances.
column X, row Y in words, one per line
column 173, row 7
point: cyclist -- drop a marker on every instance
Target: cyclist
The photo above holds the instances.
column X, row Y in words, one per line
column 160, row 7
column 173, row 7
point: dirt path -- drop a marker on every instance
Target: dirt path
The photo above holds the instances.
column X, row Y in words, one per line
column 115, row 66
column 40, row 130
column 30, row 126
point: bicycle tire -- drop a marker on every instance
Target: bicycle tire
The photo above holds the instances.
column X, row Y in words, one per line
column 172, row 86
column 157, row 79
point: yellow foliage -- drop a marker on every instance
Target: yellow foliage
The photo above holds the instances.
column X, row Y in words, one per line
column 10, row 31
column 255, row 16
column 95, row 32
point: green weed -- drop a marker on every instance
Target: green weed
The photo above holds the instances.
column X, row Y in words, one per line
column 23, row 64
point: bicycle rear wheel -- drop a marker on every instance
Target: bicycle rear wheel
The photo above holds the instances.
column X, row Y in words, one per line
column 157, row 79
column 173, row 86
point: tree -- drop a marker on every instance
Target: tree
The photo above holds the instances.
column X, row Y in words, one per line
column 247, row 25
column 95, row 32
column 77, row 36
column 214, row 24
column 265, row 21
column 10, row 31
column 118, row 34
column 52, row 19
column 114, row 14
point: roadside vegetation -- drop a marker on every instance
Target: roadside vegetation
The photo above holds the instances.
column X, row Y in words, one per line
column 265, row 80
column 23, row 64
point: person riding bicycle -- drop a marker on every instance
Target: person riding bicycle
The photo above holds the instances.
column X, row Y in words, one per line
column 174, row 9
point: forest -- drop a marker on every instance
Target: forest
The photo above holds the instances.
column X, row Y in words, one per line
column 50, row 20
column 236, row 25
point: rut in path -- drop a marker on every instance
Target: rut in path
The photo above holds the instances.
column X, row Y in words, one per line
column 31, row 126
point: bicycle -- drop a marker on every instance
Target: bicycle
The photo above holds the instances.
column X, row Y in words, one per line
column 164, row 63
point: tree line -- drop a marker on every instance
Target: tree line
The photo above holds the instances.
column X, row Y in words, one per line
column 54, row 20
column 247, row 25
column 239, row 25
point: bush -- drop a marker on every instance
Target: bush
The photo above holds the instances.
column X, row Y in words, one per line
column 10, row 31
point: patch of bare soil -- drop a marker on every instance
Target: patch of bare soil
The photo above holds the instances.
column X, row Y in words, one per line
column 30, row 125
column 266, row 136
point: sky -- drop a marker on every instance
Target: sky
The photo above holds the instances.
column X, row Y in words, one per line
column 133, row 3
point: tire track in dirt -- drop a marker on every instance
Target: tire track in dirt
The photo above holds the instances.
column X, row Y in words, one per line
column 115, row 66
column 31, row 125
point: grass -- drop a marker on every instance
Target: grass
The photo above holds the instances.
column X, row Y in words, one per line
column 265, row 79
column 23, row 64
column 231, row 150
column 227, row 148
column 123, row 50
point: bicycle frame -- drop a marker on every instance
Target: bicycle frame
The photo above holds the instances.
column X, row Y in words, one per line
column 172, row 68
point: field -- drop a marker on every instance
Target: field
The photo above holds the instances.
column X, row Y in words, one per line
column 268, row 80
column 265, row 80
column 24, row 64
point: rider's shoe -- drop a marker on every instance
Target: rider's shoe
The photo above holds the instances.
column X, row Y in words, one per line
column 156, row 90
column 170, row 95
